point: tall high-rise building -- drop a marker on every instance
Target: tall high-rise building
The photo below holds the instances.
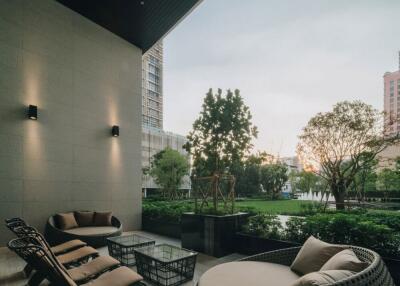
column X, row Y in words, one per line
column 154, row 138
column 152, row 90
column 392, row 102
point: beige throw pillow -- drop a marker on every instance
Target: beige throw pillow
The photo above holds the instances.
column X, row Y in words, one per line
column 323, row 278
column 65, row 221
column 313, row 255
column 345, row 260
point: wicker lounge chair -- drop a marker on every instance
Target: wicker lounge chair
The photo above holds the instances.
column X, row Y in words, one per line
column 71, row 258
column 46, row 263
column 19, row 227
column 276, row 270
column 14, row 224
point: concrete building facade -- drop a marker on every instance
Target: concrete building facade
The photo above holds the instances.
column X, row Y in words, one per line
column 84, row 74
column 392, row 101
column 153, row 141
column 152, row 89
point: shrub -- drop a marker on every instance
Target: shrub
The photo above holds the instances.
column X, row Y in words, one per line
column 165, row 211
column 342, row 228
column 264, row 225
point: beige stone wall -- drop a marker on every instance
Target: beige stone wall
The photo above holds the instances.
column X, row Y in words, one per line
column 84, row 79
column 388, row 156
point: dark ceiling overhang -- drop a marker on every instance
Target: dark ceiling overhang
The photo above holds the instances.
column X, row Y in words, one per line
column 140, row 22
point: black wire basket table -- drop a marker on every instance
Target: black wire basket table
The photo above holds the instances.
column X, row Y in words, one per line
column 122, row 247
column 165, row 265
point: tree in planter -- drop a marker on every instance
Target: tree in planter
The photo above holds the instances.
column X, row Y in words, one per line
column 220, row 140
column 340, row 142
column 388, row 180
column 222, row 135
column 273, row 178
column 168, row 167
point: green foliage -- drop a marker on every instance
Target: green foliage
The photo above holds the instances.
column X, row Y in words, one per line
column 264, row 225
column 248, row 175
column 273, row 178
column 388, row 180
column 168, row 168
column 343, row 228
column 166, row 211
column 222, row 134
column 305, row 182
column 342, row 142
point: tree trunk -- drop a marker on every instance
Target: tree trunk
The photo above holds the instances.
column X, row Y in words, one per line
column 339, row 192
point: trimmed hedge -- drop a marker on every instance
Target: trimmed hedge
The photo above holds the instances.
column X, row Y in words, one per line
column 379, row 232
column 171, row 211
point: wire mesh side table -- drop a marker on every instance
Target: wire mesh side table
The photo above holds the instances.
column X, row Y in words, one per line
column 122, row 247
column 165, row 265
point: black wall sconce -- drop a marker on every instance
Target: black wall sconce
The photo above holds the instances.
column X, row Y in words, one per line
column 32, row 112
column 115, row 131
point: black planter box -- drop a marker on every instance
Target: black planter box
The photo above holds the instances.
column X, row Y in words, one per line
column 211, row 234
column 249, row 245
column 163, row 228
column 394, row 268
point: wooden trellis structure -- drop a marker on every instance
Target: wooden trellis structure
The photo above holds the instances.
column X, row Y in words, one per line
column 213, row 190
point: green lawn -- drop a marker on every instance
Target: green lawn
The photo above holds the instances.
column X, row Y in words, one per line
column 275, row 207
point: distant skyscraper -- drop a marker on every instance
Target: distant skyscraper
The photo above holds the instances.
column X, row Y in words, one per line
column 152, row 93
column 392, row 101
column 154, row 138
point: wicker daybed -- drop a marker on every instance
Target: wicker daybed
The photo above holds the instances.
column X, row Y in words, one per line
column 273, row 268
column 94, row 236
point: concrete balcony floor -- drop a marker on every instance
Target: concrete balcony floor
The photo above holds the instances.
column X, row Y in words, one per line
column 11, row 265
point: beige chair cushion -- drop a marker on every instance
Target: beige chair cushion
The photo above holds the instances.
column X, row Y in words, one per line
column 77, row 254
column 102, row 218
column 122, row 276
column 65, row 221
column 252, row 273
column 67, row 246
column 323, row 278
column 84, row 218
column 93, row 230
column 313, row 255
column 345, row 260
column 93, row 267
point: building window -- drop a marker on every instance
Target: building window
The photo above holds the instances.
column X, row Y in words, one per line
column 391, row 88
column 153, row 95
column 154, row 69
column 153, row 87
column 398, row 87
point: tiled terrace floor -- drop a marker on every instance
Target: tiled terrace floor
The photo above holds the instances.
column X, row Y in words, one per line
column 11, row 265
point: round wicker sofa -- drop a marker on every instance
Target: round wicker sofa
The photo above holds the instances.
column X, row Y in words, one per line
column 376, row 274
column 94, row 236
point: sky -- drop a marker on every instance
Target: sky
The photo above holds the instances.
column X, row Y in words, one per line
column 289, row 58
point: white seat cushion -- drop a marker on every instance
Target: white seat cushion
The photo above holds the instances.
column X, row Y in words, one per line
column 252, row 273
column 92, row 230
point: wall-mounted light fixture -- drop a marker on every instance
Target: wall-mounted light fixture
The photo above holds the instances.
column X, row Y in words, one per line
column 32, row 112
column 115, row 131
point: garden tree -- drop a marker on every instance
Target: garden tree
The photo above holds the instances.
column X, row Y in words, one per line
column 168, row 167
column 273, row 178
column 388, row 180
column 248, row 174
column 340, row 142
column 221, row 135
column 365, row 179
column 305, row 182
